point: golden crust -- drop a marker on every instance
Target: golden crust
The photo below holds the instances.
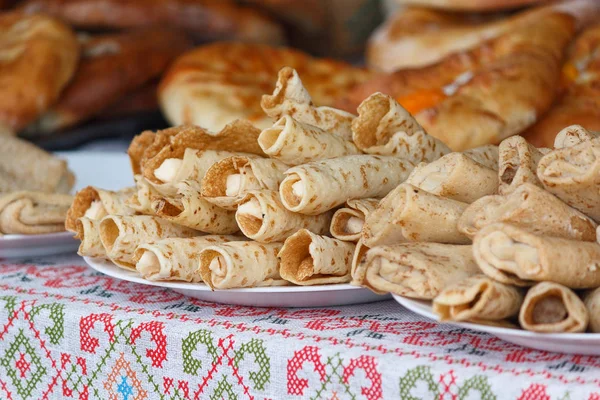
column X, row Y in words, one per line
column 38, row 57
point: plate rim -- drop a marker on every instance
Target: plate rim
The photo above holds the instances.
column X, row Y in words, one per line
column 416, row 306
column 201, row 287
column 43, row 236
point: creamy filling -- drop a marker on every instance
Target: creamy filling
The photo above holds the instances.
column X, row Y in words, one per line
column 96, row 211
column 148, row 264
column 218, row 268
column 298, row 189
column 549, row 310
column 354, row 225
column 251, row 208
column 168, row 170
column 233, row 185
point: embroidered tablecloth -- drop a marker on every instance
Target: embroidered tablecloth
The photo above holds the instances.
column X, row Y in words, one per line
column 68, row 332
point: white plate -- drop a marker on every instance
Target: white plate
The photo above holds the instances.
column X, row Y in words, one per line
column 278, row 296
column 105, row 170
column 578, row 343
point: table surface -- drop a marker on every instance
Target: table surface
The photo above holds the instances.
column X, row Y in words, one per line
column 67, row 331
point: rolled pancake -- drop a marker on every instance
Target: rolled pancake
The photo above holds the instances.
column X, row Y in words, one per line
column 573, row 135
column 384, row 127
column 241, row 264
column 417, row 270
column 592, row 303
column 347, row 222
column 518, row 163
column 455, row 176
column 478, row 297
column 26, row 167
column 33, row 213
column 147, row 144
column 87, row 230
column 227, row 181
column 262, row 217
column 95, row 203
column 294, row 142
column 320, row 186
column 141, row 200
column 552, row 308
column 358, row 269
column 515, row 256
column 238, row 137
column 175, row 259
column 191, row 167
column 190, row 209
column 573, row 175
column 311, row 259
column 529, row 207
column 290, row 97
column 487, row 155
column 121, row 235
column 409, row 214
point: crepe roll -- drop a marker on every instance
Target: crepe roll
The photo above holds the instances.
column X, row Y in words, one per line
column 294, row 142
column 348, row 222
column 384, row 127
column 487, row 155
column 573, row 135
column 87, row 230
column 417, row 270
column 33, row 213
column 516, row 256
column 190, row 209
column 478, row 297
column 409, row 214
column 592, row 303
column 358, row 269
column 94, row 203
column 141, row 200
column 192, row 167
column 227, row 181
column 320, row 186
column 175, row 259
column 311, row 259
column 532, row 208
column 290, row 97
column 121, row 235
column 262, row 217
column 241, row 264
column 573, row 175
column 553, row 308
column 518, row 163
column 455, row 176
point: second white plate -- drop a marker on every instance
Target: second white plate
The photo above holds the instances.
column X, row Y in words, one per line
column 277, row 296
column 578, row 343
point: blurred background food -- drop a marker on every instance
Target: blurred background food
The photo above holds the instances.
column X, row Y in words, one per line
column 471, row 71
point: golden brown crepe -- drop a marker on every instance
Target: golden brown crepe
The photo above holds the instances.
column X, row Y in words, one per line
column 358, row 269
column 384, row 127
column 241, row 264
column 551, row 308
column 409, row 214
column 529, row 207
column 478, row 297
column 121, row 235
column 518, row 163
column 227, row 181
column 87, row 231
column 573, row 135
column 175, row 259
column 592, row 303
column 347, row 222
column 417, row 270
column 515, row 256
column 293, row 142
column 320, row 186
column 143, row 197
column 262, row 217
column 573, row 175
column 33, row 213
column 311, row 259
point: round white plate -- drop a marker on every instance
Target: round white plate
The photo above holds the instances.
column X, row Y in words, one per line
column 107, row 170
column 578, row 343
column 277, row 296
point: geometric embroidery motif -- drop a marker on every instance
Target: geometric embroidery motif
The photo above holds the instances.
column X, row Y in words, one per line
column 122, row 382
column 23, row 365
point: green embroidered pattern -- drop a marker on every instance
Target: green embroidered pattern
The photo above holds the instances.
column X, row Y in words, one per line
column 23, row 366
column 255, row 347
column 477, row 383
column 409, row 381
column 190, row 344
column 57, row 316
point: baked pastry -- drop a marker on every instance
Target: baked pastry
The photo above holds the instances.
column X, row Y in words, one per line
column 470, row 5
column 493, row 91
column 111, row 66
column 38, row 57
column 580, row 103
column 217, row 83
column 204, row 19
